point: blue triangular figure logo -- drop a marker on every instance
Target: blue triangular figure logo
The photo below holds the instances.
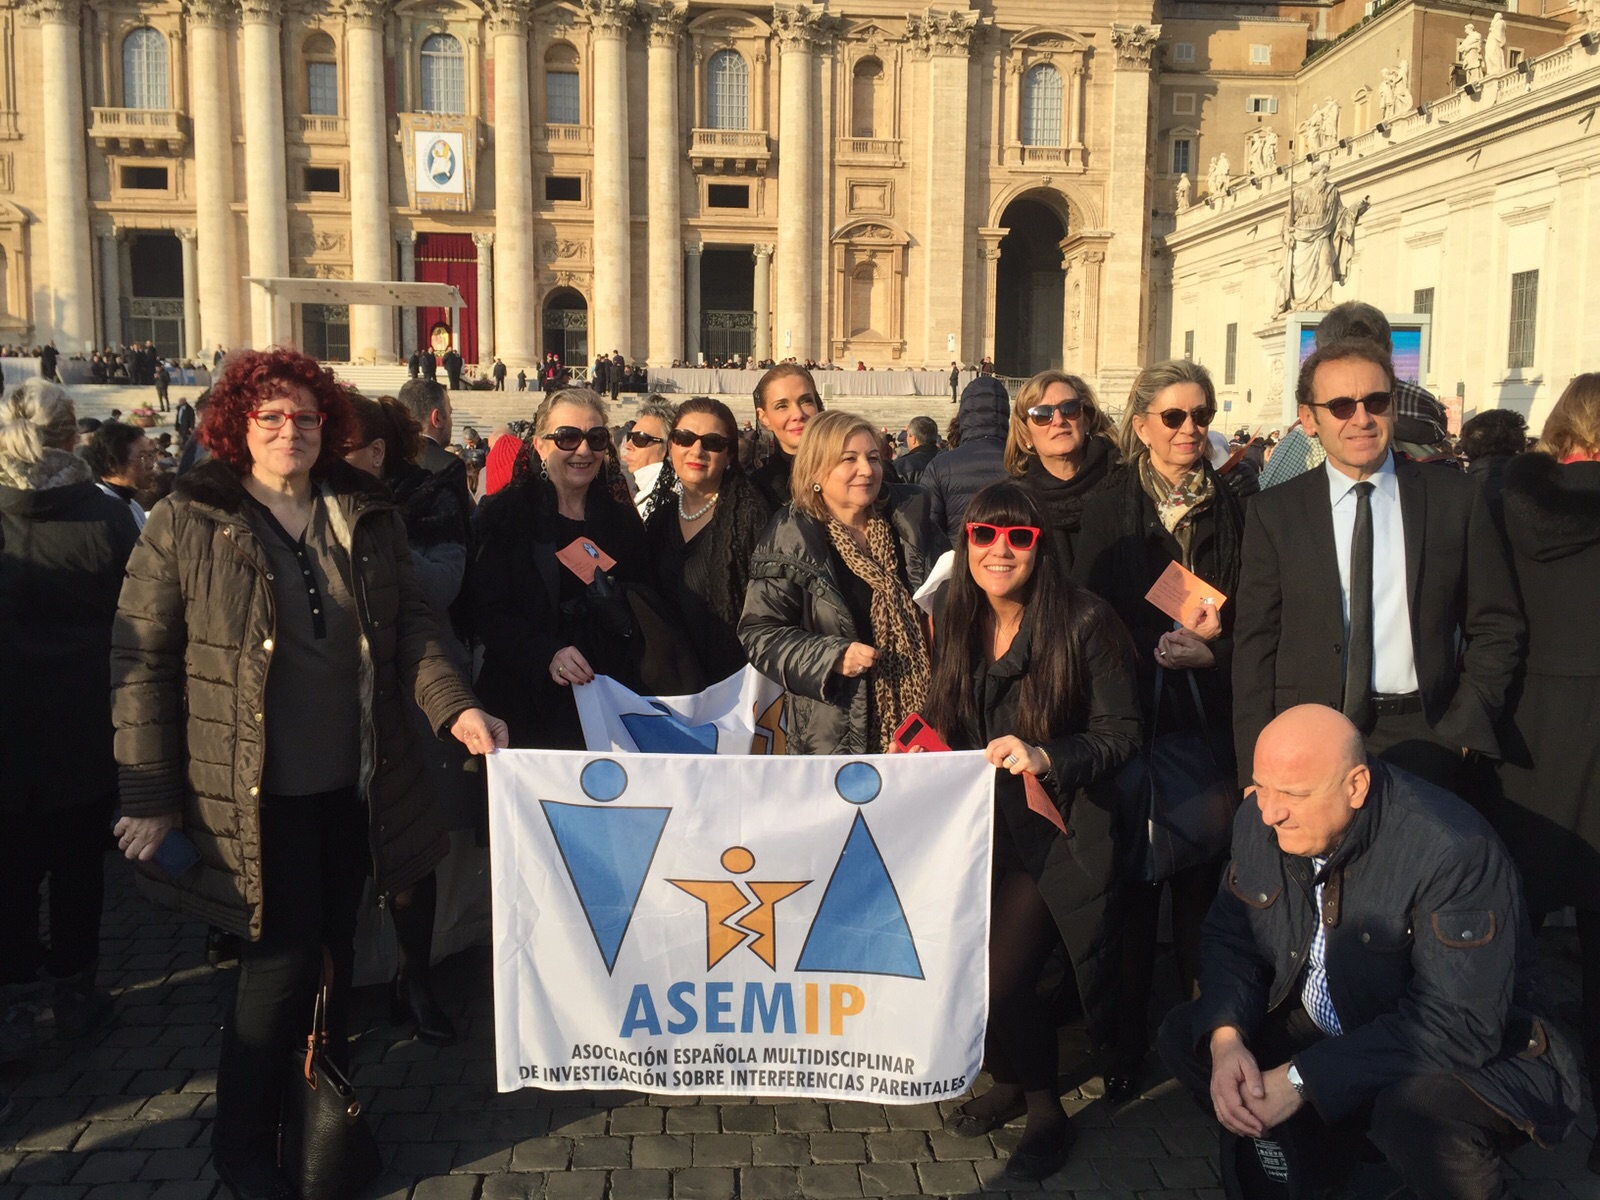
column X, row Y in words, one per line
column 607, row 852
column 669, row 733
column 860, row 925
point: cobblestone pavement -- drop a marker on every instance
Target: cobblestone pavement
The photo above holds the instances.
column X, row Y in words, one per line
column 127, row 1116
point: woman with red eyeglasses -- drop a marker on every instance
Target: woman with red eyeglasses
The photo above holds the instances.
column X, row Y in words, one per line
column 1038, row 674
column 705, row 520
column 1170, row 506
column 269, row 621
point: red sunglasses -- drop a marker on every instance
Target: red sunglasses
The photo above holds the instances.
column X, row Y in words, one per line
column 1018, row 537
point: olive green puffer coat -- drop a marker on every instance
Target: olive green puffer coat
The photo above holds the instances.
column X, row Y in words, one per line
column 190, row 652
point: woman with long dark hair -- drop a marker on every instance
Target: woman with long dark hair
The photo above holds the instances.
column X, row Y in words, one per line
column 705, row 520
column 1038, row 675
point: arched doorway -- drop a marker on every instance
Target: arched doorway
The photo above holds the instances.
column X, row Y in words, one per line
column 566, row 327
column 1030, row 289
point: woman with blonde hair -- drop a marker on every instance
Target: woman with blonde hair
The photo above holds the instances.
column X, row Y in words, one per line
column 1549, row 814
column 1062, row 448
column 828, row 612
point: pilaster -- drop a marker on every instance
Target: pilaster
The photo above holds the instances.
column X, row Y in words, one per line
column 485, row 245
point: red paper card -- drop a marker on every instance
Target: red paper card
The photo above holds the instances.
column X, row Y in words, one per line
column 583, row 558
column 1039, row 800
column 1180, row 593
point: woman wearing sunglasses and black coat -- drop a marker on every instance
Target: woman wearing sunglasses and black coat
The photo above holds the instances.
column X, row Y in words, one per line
column 704, row 520
column 1169, row 506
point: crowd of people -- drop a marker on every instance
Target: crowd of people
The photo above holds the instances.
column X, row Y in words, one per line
column 1368, row 660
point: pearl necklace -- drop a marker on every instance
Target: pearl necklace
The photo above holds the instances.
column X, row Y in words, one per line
column 695, row 516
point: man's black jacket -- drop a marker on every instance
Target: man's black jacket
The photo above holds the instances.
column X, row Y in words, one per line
column 1428, row 955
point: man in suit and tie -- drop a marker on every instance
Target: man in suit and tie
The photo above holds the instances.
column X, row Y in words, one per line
column 1374, row 585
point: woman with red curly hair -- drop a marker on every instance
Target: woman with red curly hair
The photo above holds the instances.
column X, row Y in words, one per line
column 268, row 622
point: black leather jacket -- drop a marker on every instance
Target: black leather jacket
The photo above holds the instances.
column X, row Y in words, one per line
column 1428, row 955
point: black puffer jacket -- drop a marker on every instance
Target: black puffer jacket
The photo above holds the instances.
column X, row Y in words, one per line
column 797, row 623
column 955, row 476
column 1428, row 952
column 910, row 465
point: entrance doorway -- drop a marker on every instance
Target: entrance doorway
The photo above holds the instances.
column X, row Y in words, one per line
column 153, row 309
column 728, row 302
column 326, row 331
column 566, row 327
column 450, row 258
column 1030, row 290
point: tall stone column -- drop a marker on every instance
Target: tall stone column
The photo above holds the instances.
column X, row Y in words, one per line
column 485, row 244
column 265, row 168
column 193, row 347
column 944, row 38
column 989, row 258
column 70, row 316
column 1120, row 313
column 763, row 298
column 211, row 110
column 111, row 285
column 371, row 329
column 799, row 28
column 666, row 203
column 513, row 300
column 610, row 326
column 691, row 302
column 405, row 241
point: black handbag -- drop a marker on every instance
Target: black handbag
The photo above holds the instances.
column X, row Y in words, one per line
column 327, row 1149
column 1178, row 797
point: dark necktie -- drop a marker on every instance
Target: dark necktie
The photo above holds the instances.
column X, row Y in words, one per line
column 1358, row 652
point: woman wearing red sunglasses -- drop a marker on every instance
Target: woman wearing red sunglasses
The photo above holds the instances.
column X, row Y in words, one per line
column 1170, row 506
column 1037, row 674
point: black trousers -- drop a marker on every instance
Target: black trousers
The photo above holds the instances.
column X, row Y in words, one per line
column 314, row 859
column 1434, row 1131
column 1019, row 1043
column 1409, row 742
column 68, row 845
column 1193, row 889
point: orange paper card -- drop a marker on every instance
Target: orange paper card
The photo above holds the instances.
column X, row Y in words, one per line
column 583, row 558
column 1039, row 801
column 1180, row 593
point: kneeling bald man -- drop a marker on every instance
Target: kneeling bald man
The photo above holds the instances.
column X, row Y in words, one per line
column 1365, row 970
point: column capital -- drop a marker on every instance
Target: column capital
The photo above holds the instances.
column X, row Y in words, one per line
column 208, row 12
column 692, row 249
column 262, row 12
column 801, row 26
column 405, row 237
column 483, row 240
column 764, row 251
column 187, row 235
column 611, row 17
column 1134, row 43
column 943, row 31
column 511, row 17
column 54, row 12
column 366, row 14
column 666, row 22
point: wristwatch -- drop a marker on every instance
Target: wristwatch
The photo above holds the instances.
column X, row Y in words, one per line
column 1298, row 1084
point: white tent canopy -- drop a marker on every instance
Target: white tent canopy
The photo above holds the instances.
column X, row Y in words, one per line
column 380, row 293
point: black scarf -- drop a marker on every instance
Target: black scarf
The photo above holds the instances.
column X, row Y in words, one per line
column 719, row 570
column 1062, row 499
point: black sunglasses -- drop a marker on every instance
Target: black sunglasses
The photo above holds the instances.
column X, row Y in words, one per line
column 1043, row 414
column 569, row 437
column 716, row 443
column 1342, row 409
column 1173, row 418
column 639, row 439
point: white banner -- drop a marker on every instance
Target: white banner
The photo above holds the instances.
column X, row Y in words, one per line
column 752, row 925
column 741, row 715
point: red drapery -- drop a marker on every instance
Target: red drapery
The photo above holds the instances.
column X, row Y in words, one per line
column 450, row 258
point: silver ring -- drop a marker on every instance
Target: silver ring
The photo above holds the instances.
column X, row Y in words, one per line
column 1161, row 653
column 1010, row 760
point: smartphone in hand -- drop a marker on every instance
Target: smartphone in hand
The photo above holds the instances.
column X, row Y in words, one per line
column 914, row 731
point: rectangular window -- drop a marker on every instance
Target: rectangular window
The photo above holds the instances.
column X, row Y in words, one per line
column 1422, row 300
column 1182, row 155
column 1260, row 56
column 1183, row 104
column 563, row 187
column 727, row 195
column 322, row 180
column 561, row 98
column 153, row 179
column 1261, row 104
column 1183, row 52
column 1524, row 312
column 1188, row 344
column 1230, row 362
column 322, row 89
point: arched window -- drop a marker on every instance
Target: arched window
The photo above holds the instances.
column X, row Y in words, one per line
column 863, row 299
column 727, row 91
column 1041, row 106
column 444, row 75
column 866, row 84
column 144, row 69
column 562, row 105
column 322, row 76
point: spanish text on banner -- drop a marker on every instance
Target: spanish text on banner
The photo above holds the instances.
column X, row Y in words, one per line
column 753, row 925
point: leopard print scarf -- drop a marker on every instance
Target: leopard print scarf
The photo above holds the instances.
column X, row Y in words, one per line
column 900, row 675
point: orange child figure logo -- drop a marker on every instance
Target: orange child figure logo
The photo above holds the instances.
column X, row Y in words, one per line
column 726, row 899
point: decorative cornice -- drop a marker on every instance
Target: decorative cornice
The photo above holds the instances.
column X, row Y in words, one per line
column 942, row 31
column 511, row 16
column 261, row 12
column 611, row 16
column 208, row 12
column 1134, row 43
column 366, row 14
column 54, row 12
column 802, row 26
column 666, row 22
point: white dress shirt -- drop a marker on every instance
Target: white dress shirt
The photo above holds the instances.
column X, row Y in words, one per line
column 645, row 479
column 1394, row 668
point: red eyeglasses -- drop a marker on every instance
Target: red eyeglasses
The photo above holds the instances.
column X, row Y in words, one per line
column 1018, row 537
